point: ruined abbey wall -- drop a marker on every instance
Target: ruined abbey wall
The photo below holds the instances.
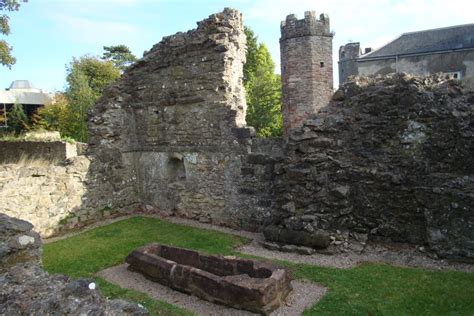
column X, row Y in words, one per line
column 171, row 133
column 391, row 159
column 387, row 159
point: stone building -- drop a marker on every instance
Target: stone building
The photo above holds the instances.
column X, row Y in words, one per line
column 306, row 67
column 449, row 50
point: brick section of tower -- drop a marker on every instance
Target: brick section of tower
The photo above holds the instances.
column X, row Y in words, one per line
column 306, row 67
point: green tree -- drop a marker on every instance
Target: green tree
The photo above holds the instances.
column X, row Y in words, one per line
column 119, row 55
column 54, row 115
column 263, row 89
column 17, row 120
column 250, row 66
column 6, row 58
column 86, row 79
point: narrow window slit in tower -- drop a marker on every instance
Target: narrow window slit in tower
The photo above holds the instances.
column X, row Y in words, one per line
column 321, row 64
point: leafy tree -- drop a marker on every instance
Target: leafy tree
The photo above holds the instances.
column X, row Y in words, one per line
column 250, row 66
column 89, row 75
column 119, row 55
column 55, row 115
column 6, row 59
column 86, row 79
column 263, row 89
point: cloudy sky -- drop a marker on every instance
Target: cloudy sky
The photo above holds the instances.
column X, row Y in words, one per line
column 47, row 34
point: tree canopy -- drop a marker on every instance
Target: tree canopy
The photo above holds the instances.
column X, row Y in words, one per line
column 86, row 79
column 263, row 89
column 6, row 58
column 119, row 55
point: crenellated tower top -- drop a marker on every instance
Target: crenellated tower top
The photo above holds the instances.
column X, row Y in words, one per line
column 310, row 25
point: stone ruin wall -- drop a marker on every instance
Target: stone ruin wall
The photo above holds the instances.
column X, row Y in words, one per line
column 390, row 159
column 171, row 132
column 169, row 138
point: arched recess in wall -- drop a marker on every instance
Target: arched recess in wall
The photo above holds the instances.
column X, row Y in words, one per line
column 176, row 171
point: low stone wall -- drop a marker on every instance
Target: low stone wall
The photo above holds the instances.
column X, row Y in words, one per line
column 13, row 151
column 53, row 197
column 47, row 195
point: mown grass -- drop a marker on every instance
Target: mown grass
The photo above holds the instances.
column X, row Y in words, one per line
column 106, row 246
column 380, row 289
column 87, row 253
column 369, row 289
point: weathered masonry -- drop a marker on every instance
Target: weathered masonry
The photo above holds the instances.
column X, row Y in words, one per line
column 388, row 158
column 306, row 67
column 172, row 132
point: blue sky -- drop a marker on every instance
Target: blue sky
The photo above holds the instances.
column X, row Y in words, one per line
column 47, row 34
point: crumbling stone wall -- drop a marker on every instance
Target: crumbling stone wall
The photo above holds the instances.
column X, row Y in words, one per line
column 389, row 157
column 26, row 289
column 170, row 134
column 306, row 67
column 255, row 188
column 53, row 197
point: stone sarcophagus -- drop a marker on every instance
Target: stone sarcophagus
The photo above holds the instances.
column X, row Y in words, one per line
column 239, row 283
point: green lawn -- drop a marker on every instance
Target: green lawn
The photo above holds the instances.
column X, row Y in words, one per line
column 370, row 289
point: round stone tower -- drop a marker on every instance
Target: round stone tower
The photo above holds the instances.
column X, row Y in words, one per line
column 306, row 67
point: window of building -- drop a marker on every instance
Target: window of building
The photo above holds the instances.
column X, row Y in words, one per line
column 454, row 74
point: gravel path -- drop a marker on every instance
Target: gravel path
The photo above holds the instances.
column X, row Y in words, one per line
column 304, row 294
column 395, row 254
column 399, row 255
column 405, row 257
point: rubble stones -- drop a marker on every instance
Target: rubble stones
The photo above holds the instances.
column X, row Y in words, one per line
column 315, row 239
column 26, row 289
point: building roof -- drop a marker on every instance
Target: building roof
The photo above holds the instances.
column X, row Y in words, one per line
column 435, row 40
column 23, row 92
column 21, row 84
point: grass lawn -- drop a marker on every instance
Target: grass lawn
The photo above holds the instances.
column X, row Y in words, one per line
column 369, row 289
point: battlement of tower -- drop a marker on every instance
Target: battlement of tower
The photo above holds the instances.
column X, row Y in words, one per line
column 310, row 25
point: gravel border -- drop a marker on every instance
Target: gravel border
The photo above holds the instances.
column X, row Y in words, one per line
column 303, row 296
column 394, row 254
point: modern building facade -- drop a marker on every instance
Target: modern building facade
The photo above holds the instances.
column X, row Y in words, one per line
column 24, row 93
